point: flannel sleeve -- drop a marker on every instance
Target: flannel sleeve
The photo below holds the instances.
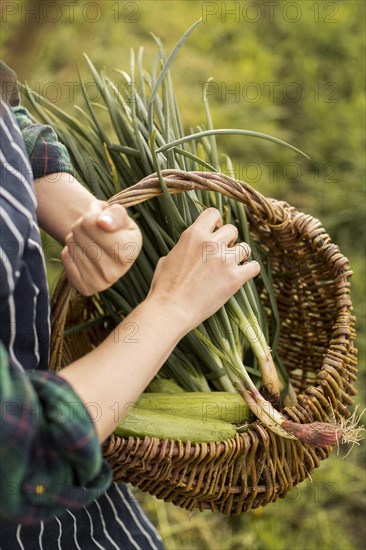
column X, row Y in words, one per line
column 50, row 457
column 47, row 155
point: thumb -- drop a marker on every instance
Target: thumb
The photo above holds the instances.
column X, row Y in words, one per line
column 113, row 218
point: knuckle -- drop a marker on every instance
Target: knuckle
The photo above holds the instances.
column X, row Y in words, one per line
column 82, row 289
column 231, row 227
column 86, row 220
column 212, row 210
column 236, row 280
column 120, row 214
column 194, row 232
column 244, row 250
column 118, row 208
column 88, row 292
column 110, row 275
column 69, row 238
column 187, row 233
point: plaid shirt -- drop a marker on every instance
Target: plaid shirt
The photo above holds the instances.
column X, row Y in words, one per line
column 47, row 155
column 50, row 457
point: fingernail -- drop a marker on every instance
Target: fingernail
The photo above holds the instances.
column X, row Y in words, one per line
column 65, row 254
column 107, row 219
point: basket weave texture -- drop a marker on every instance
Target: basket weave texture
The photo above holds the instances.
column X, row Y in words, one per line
column 316, row 346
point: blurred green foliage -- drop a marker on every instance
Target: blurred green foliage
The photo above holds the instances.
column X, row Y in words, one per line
column 291, row 69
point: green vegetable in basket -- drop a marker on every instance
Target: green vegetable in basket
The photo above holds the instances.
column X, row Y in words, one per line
column 141, row 422
column 225, row 406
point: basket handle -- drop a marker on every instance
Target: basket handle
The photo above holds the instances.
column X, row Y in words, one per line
column 272, row 212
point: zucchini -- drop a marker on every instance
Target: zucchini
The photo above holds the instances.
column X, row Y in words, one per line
column 141, row 422
column 164, row 385
column 225, row 406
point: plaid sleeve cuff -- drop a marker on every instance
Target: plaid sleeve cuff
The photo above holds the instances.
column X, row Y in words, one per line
column 66, row 419
column 50, row 456
column 47, row 155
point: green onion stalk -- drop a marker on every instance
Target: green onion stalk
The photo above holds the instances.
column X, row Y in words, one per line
column 127, row 135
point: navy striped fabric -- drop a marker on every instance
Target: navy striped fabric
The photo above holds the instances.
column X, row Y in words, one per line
column 114, row 520
column 22, row 257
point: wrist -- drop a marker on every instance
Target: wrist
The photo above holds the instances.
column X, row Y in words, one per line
column 173, row 315
column 53, row 196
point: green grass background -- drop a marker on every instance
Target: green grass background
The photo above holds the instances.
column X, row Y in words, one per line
column 292, row 69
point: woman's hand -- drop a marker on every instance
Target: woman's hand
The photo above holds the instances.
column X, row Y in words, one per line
column 203, row 270
column 101, row 247
column 101, row 241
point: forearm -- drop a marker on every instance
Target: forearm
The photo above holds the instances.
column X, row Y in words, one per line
column 61, row 201
column 116, row 373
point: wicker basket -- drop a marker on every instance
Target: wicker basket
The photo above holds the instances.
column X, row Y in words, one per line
column 316, row 346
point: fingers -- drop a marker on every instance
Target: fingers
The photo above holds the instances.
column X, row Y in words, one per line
column 243, row 252
column 73, row 272
column 113, row 218
column 221, row 242
column 101, row 247
column 108, row 229
column 122, row 246
column 103, row 216
column 235, row 255
column 210, row 219
column 249, row 270
column 227, row 234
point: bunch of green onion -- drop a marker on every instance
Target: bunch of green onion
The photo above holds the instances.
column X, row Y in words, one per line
column 133, row 131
